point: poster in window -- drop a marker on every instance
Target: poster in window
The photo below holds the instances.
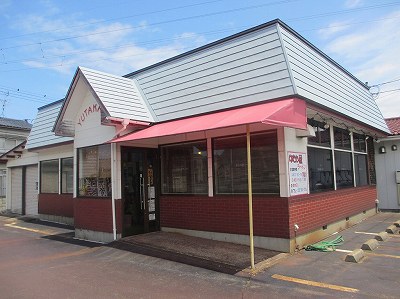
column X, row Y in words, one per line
column 298, row 173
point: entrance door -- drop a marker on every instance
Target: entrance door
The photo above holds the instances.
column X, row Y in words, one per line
column 139, row 194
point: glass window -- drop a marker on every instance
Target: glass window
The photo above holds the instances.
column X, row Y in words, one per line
column 322, row 134
column 67, row 175
column 359, row 143
column 95, row 171
column 49, row 176
column 230, row 164
column 184, row 168
column 320, row 169
column 342, row 138
column 344, row 170
column 360, row 164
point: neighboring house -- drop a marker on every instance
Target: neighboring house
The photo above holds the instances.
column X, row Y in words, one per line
column 388, row 167
column 12, row 133
column 41, row 144
column 165, row 147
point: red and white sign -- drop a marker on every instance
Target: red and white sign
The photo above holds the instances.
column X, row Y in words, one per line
column 298, row 173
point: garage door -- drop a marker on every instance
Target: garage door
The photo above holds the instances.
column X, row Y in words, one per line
column 16, row 190
column 31, row 192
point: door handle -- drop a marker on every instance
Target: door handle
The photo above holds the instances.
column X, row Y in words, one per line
column 141, row 191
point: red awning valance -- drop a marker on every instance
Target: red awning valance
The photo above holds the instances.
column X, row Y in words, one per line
column 285, row 113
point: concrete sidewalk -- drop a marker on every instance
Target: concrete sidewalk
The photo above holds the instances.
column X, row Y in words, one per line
column 219, row 256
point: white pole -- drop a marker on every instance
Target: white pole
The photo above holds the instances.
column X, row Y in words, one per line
column 113, row 188
column 250, row 191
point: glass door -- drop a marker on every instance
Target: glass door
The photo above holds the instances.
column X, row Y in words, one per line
column 139, row 190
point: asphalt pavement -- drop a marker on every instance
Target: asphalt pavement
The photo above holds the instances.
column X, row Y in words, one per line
column 42, row 260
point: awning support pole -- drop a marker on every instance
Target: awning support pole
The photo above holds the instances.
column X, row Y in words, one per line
column 250, row 191
column 113, row 189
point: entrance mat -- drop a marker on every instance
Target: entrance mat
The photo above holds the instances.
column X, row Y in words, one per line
column 213, row 255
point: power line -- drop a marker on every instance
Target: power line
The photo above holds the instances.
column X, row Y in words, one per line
column 207, row 15
column 397, row 89
column 113, row 19
column 150, row 42
column 22, row 91
column 387, row 82
column 160, row 41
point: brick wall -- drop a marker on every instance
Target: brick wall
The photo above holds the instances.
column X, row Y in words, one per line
column 96, row 214
column 226, row 214
column 313, row 211
column 56, row 204
column 229, row 214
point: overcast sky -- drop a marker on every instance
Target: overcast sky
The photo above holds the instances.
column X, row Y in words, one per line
column 43, row 42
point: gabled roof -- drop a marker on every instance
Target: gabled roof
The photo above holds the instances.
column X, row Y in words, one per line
column 119, row 97
column 394, row 125
column 264, row 63
column 15, row 123
column 13, row 153
column 41, row 134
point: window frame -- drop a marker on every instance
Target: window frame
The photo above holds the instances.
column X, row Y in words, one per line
column 352, row 150
column 78, row 158
column 161, row 147
column 41, row 176
column 271, row 132
column 61, row 172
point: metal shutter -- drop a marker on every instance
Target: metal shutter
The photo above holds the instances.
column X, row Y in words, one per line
column 31, row 192
column 16, row 190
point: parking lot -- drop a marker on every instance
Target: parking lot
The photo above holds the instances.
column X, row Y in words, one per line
column 43, row 260
column 377, row 275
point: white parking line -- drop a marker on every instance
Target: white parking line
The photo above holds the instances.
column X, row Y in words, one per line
column 365, row 233
column 343, row 250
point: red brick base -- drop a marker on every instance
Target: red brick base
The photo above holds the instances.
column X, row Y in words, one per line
column 311, row 212
column 56, row 204
column 226, row 214
column 273, row 216
column 96, row 214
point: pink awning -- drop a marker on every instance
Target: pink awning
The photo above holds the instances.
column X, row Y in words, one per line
column 285, row 113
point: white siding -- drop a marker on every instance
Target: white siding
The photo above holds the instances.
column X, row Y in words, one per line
column 16, row 190
column 91, row 132
column 321, row 81
column 31, row 192
column 386, row 166
column 41, row 133
column 244, row 70
column 119, row 95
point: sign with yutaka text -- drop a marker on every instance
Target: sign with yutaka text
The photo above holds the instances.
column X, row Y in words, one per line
column 298, row 173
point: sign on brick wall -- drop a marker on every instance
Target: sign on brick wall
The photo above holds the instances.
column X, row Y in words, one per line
column 298, row 173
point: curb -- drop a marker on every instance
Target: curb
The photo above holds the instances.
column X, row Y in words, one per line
column 355, row 256
column 382, row 236
column 392, row 229
column 371, row 244
column 263, row 265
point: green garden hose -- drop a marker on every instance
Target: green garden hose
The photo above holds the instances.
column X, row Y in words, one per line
column 326, row 245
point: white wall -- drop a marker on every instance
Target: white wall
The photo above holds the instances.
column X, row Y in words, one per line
column 386, row 165
column 88, row 128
